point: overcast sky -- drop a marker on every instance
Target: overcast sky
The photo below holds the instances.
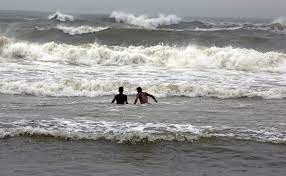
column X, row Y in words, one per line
column 226, row 8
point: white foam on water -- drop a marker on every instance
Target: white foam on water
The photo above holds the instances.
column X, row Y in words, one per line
column 93, row 88
column 61, row 17
column 41, row 28
column 91, row 70
column 217, row 29
column 30, row 19
column 72, row 30
column 191, row 56
column 132, row 132
column 280, row 20
column 144, row 20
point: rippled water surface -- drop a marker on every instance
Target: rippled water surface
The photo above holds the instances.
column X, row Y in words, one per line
column 178, row 136
column 220, row 83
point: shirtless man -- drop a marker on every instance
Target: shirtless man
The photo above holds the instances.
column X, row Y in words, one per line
column 120, row 98
column 143, row 96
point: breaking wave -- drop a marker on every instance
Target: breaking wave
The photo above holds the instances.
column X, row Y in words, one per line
column 281, row 20
column 217, row 29
column 61, row 17
column 96, row 87
column 80, row 29
column 133, row 132
column 159, row 56
column 275, row 26
column 143, row 20
column 279, row 24
column 191, row 56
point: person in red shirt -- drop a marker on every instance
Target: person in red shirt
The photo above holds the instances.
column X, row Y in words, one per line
column 143, row 96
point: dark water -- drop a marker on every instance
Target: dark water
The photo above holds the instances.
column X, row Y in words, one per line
column 220, row 83
column 259, row 34
column 42, row 156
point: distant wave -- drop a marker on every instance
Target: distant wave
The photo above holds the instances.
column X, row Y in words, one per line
column 217, row 29
column 191, row 56
column 280, row 20
column 205, row 27
column 133, row 132
column 272, row 27
column 143, row 20
column 279, row 24
column 61, row 17
column 41, row 28
column 71, row 30
column 30, row 19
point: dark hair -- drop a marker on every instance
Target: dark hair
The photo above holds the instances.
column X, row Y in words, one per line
column 120, row 89
column 139, row 89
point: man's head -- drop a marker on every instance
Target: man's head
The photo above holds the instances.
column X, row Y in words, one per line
column 139, row 89
column 120, row 89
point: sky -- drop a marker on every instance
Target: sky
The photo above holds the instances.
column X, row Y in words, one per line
column 217, row 8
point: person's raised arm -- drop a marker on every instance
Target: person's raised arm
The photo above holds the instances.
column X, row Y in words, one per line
column 152, row 97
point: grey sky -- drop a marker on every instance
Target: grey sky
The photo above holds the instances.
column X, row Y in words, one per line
column 230, row 8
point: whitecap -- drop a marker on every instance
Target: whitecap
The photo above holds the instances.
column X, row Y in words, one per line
column 144, row 20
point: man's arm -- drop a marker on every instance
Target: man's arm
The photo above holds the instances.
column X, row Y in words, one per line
column 136, row 99
column 126, row 100
column 152, row 97
column 113, row 99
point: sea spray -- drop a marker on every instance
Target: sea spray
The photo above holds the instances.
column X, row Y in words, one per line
column 61, row 17
column 191, row 56
column 143, row 20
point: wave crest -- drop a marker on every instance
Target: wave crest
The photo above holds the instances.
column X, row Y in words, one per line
column 80, row 29
column 61, row 17
column 143, row 20
column 191, row 56
column 280, row 20
column 132, row 132
column 94, row 88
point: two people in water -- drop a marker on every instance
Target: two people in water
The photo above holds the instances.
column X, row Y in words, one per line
column 142, row 96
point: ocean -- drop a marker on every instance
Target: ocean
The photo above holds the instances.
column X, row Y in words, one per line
column 220, row 85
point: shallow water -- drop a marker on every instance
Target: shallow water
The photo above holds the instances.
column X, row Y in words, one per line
column 56, row 157
column 36, row 151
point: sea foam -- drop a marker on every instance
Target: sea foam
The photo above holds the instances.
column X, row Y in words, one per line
column 61, row 17
column 133, row 132
column 77, row 30
column 280, row 20
column 98, row 87
column 248, row 64
column 191, row 56
column 143, row 20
